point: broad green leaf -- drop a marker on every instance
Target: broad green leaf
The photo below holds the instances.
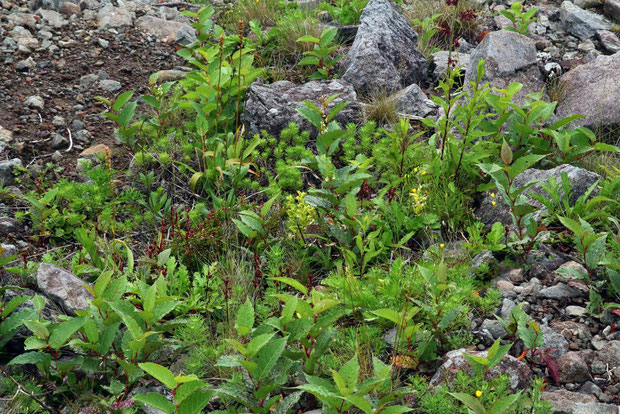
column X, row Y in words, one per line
column 268, row 356
column 389, row 314
column 64, row 331
column 195, row 402
column 503, row 405
column 160, row 373
column 292, row 283
column 470, row 402
column 31, row 358
column 122, row 100
column 157, row 401
column 245, row 319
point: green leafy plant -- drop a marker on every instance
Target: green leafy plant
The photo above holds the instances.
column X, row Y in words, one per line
column 321, row 54
column 346, row 391
column 187, row 390
column 482, row 365
column 520, row 19
column 343, row 11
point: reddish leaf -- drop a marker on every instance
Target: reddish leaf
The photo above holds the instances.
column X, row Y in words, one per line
column 552, row 366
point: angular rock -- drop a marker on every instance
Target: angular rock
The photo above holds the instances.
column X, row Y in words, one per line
column 22, row 19
column 7, row 176
column 114, row 17
column 595, row 408
column 518, row 372
column 5, row 135
column 272, row 107
column 612, row 9
column 575, row 311
column 580, row 178
column 35, row 101
column 592, row 90
column 110, row 85
column 9, row 226
column 560, row 291
column 609, row 40
column 383, row 57
column 573, row 368
column 553, row 341
column 165, row 30
column 412, row 101
column 494, row 327
column 509, row 57
column 170, row 75
column 581, row 23
column 53, row 18
column 63, row 287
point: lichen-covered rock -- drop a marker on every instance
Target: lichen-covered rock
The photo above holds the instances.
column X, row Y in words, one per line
column 63, row 287
column 383, row 57
column 580, row 178
column 114, row 17
column 592, row 90
column 272, row 107
column 508, row 57
column 518, row 372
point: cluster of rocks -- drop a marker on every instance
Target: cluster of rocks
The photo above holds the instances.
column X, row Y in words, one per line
column 58, row 56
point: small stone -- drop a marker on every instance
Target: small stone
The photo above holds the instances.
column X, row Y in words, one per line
column 25, row 65
column 110, row 85
column 35, row 101
column 589, row 387
column 505, row 286
column 573, row 368
column 94, row 151
column 494, row 327
column 58, row 141
column 103, row 43
column 559, row 292
column 598, row 368
column 575, row 311
column 58, row 121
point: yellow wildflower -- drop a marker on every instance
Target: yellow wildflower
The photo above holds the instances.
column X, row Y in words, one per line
column 423, row 172
column 415, row 170
column 478, row 393
column 493, row 195
column 441, row 245
column 493, row 203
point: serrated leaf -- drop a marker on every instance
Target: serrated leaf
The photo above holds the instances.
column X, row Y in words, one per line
column 195, row 402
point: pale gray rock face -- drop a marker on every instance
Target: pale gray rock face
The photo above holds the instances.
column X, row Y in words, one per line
column 272, row 107
column 114, row 17
column 581, row 23
column 609, row 40
column 592, row 90
column 7, row 176
column 580, row 178
column 63, row 287
column 518, row 371
column 164, row 29
column 508, row 57
column 413, row 101
column 383, row 57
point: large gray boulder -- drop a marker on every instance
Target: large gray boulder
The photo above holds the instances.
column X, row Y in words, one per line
column 580, row 178
column 272, row 107
column 63, row 287
column 592, row 90
column 383, row 58
column 581, row 23
column 508, row 57
column 518, row 372
column 612, row 9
